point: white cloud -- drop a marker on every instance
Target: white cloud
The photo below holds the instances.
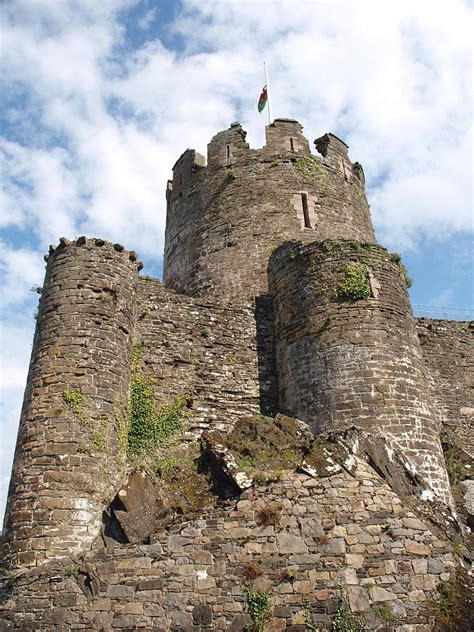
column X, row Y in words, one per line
column 145, row 22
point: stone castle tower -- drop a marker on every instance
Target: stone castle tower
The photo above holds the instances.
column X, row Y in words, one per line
column 276, row 297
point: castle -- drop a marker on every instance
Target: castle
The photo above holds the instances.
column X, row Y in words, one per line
column 276, row 300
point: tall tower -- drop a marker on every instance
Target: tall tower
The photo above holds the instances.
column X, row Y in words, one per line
column 67, row 459
column 224, row 219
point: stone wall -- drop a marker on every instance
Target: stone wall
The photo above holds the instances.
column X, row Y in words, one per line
column 309, row 543
column 222, row 356
column 448, row 353
column 79, row 374
column 343, row 361
column 224, row 220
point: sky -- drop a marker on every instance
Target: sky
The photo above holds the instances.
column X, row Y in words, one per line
column 99, row 99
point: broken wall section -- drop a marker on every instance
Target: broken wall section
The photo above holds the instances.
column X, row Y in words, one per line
column 309, row 543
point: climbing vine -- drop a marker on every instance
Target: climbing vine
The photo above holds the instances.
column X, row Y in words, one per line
column 258, row 604
column 147, row 427
column 344, row 621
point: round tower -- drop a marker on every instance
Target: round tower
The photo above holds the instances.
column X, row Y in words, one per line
column 225, row 219
column 347, row 348
column 67, row 458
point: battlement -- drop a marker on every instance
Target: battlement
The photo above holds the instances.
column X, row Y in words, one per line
column 93, row 242
column 229, row 147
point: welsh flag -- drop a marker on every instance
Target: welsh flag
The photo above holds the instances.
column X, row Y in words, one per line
column 262, row 102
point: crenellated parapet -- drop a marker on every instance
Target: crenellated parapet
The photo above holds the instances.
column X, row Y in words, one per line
column 224, row 219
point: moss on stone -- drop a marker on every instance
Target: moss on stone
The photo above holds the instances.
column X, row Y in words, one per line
column 75, row 400
column 355, row 283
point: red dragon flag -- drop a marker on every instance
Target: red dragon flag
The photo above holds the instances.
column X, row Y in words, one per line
column 262, row 102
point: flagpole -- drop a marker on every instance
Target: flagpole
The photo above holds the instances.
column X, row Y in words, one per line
column 268, row 95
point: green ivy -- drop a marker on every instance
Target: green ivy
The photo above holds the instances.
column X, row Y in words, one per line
column 148, row 427
column 258, row 604
column 99, row 438
column 308, row 616
column 355, row 284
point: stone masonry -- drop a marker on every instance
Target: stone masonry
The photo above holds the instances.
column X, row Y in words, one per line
column 248, row 322
column 339, row 530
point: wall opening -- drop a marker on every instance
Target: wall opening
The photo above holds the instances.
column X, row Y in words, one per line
column 304, row 202
column 292, row 144
column 227, row 154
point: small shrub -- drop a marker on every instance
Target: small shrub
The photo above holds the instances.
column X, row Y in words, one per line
column 205, row 333
column 268, row 515
column 260, row 478
column 388, row 529
column 167, row 465
column 310, row 168
column 252, row 571
column 72, row 571
column 247, row 463
column 396, row 258
column 453, row 464
column 384, row 612
column 231, row 174
column 287, row 575
column 355, row 284
column 444, row 605
column 147, row 427
column 99, row 438
column 108, row 297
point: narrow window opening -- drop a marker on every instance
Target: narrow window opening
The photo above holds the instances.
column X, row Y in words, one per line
column 304, row 201
column 292, row 145
column 227, row 149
